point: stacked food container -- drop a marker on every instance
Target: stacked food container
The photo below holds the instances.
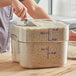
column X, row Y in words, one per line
column 40, row 43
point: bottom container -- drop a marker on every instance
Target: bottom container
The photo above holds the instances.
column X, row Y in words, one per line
column 44, row 54
column 40, row 43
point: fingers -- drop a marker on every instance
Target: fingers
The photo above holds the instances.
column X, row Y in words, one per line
column 22, row 13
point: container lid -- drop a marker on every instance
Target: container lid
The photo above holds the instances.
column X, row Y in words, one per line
column 40, row 23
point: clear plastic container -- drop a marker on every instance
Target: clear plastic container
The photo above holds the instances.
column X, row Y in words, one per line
column 72, row 44
column 40, row 43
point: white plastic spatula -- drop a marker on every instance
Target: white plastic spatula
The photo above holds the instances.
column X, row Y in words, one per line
column 29, row 23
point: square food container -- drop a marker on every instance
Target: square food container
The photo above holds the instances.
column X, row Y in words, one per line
column 72, row 44
column 40, row 43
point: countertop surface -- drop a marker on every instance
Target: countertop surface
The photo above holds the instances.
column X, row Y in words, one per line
column 9, row 68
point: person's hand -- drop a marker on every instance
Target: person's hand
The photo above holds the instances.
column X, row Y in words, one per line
column 19, row 9
column 72, row 36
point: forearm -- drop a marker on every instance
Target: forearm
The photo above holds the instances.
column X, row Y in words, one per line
column 4, row 3
column 34, row 10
